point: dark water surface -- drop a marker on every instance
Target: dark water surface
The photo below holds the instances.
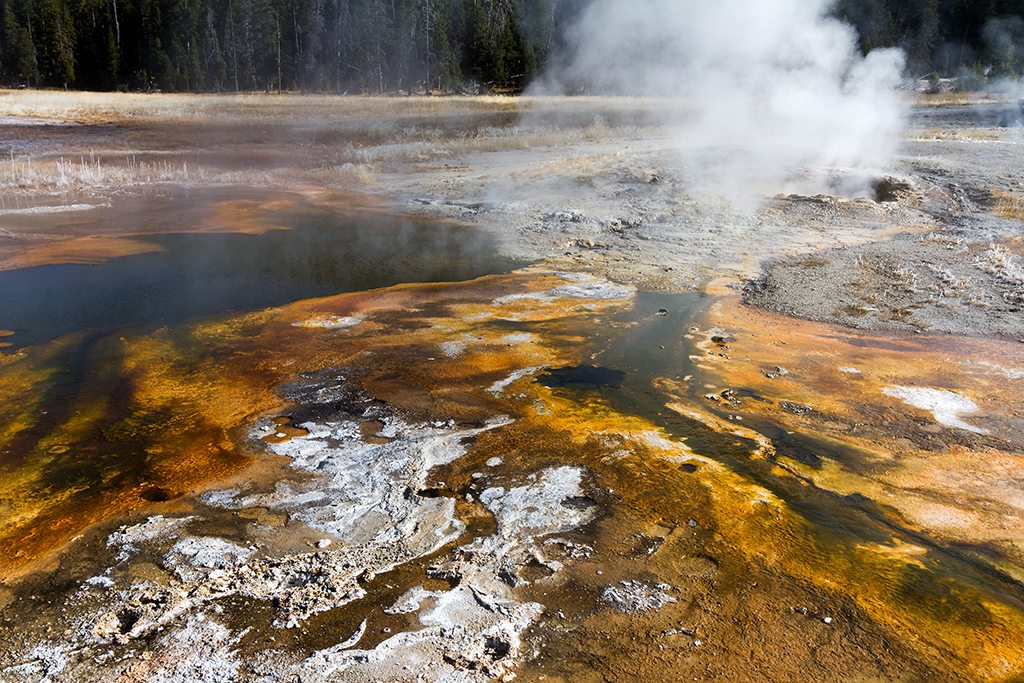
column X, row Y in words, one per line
column 202, row 274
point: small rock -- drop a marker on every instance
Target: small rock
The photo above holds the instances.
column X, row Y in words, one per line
column 323, row 543
column 636, row 597
column 795, row 408
column 827, row 620
column 773, row 372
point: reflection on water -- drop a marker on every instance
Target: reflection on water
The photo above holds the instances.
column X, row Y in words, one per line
column 197, row 274
column 581, row 375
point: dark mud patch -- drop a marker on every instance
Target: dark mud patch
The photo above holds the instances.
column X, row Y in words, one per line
column 578, row 502
column 801, row 455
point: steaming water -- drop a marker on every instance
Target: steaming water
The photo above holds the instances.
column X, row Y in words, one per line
column 203, row 274
column 771, row 86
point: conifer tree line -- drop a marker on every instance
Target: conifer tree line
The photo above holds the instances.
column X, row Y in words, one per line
column 381, row 46
column 340, row 46
column 974, row 41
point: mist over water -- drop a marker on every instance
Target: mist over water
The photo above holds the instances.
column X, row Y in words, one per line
column 767, row 90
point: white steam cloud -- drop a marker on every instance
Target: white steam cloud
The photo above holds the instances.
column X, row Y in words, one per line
column 765, row 87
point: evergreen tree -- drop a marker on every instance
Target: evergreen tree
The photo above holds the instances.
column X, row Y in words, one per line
column 380, row 46
column 20, row 63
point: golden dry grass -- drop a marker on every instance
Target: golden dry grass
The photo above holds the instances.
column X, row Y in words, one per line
column 952, row 99
column 579, row 167
column 1009, row 205
column 88, row 107
column 261, row 139
column 957, row 134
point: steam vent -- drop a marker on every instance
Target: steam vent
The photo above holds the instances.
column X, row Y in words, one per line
column 565, row 342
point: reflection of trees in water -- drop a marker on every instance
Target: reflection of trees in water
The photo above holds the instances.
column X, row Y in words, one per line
column 202, row 274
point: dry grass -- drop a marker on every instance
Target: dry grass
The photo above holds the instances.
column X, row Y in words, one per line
column 1008, row 205
column 950, row 284
column 957, row 134
column 1008, row 267
column 578, row 167
column 954, row 99
column 64, row 172
column 254, row 139
column 325, row 111
column 1004, row 264
column 904, row 278
column 486, row 140
column 348, row 175
column 82, row 107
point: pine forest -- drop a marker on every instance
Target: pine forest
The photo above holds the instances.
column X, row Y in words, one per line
column 410, row 46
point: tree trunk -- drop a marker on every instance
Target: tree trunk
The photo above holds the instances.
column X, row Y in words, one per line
column 117, row 26
column 32, row 43
column 234, row 52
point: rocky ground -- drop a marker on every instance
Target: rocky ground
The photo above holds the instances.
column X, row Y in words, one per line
column 930, row 243
column 962, row 275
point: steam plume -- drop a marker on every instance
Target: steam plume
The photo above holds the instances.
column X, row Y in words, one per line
column 764, row 87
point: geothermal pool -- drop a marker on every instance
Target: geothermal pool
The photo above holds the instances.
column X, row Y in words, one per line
column 302, row 252
column 446, row 467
